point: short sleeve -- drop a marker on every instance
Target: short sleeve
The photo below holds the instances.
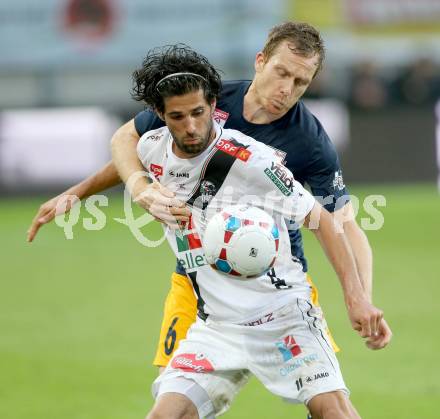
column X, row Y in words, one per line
column 147, row 120
column 148, row 142
column 323, row 174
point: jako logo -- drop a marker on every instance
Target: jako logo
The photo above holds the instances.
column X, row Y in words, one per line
column 317, row 376
column 288, row 348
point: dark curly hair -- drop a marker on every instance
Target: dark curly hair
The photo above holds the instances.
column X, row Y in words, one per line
column 170, row 59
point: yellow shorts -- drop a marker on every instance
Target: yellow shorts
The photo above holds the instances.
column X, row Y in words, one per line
column 180, row 312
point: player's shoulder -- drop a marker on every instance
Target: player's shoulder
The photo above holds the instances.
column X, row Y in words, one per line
column 155, row 135
column 233, row 86
column 308, row 127
column 303, row 120
column 147, row 120
column 232, row 91
column 152, row 139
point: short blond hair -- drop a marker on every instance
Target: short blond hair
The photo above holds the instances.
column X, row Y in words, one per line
column 306, row 39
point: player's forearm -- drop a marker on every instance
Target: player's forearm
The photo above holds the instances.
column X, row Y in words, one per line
column 125, row 158
column 105, row 178
column 363, row 255
column 340, row 256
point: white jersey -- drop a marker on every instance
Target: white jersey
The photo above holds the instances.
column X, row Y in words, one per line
column 233, row 169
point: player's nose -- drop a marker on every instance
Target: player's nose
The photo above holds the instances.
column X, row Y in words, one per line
column 287, row 88
column 190, row 126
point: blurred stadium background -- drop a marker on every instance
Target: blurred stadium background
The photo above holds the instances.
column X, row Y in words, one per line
column 79, row 318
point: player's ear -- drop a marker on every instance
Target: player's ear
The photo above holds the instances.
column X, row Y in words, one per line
column 259, row 62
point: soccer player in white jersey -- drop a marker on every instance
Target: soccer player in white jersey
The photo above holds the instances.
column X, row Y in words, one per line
column 233, row 337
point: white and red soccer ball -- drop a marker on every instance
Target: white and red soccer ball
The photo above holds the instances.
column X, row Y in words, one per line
column 241, row 241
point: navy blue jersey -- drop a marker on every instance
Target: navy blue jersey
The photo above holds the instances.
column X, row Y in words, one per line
column 298, row 135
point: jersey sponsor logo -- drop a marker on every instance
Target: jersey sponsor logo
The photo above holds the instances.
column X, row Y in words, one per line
column 338, row 181
column 188, row 261
column 156, row 169
column 178, row 175
column 192, row 363
column 234, row 148
column 279, row 176
column 220, row 117
column 265, row 319
column 288, row 348
column 299, row 362
column 187, row 241
column 154, row 137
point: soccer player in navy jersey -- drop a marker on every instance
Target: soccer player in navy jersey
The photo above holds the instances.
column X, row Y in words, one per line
column 269, row 109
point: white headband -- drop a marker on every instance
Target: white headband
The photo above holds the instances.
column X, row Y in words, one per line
column 178, row 75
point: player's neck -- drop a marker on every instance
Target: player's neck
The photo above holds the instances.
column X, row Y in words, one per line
column 254, row 110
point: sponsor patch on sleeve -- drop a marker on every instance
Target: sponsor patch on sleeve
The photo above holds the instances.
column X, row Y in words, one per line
column 279, row 176
column 220, row 117
column 156, row 170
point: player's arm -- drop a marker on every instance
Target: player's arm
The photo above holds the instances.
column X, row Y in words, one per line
column 151, row 196
column 283, row 194
column 125, row 158
column 103, row 179
column 359, row 245
column 323, row 174
column 364, row 317
column 363, row 255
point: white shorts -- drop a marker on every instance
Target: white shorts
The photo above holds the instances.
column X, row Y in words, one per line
column 287, row 350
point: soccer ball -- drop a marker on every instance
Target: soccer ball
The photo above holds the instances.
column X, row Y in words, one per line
column 241, row 241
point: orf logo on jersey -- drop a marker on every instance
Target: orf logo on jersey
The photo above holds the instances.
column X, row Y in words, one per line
column 220, row 117
column 288, row 348
column 192, row 363
column 156, row 170
column 234, row 148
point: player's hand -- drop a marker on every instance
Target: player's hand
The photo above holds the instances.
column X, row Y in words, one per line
column 61, row 204
column 365, row 318
column 162, row 204
column 383, row 337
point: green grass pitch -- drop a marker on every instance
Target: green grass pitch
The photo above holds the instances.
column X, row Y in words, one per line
column 79, row 319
